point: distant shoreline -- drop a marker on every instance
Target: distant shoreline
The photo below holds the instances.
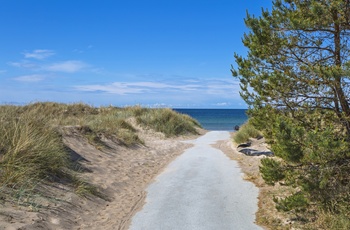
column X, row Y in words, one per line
column 217, row 119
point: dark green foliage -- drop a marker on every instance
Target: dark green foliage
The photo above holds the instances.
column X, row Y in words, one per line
column 271, row 171
column 295, row 79
column 290, row 140
column 296, row 202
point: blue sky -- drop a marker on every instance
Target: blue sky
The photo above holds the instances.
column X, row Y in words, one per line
column 156, row 53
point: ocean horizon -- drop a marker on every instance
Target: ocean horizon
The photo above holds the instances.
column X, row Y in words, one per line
column 217, row 119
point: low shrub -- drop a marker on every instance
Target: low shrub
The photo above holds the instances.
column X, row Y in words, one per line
column 245, row 132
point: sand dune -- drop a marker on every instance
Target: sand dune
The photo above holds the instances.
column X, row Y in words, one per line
column 121, row 173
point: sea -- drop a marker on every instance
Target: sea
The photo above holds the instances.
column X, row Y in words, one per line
column 217, row 119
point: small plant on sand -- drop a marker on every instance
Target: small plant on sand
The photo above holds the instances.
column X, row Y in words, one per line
column 85, row 189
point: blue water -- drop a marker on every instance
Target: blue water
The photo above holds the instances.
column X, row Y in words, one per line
column 217, row 119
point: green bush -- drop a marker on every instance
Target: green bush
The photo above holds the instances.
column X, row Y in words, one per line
column 271, row 171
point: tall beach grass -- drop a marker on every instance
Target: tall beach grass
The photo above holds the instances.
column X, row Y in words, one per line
column 32, row 148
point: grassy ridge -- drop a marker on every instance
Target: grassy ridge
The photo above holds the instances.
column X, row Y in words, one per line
column 31, row 146
column 168, row 122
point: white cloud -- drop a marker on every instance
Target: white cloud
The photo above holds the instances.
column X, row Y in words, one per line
column 66, row 66
column 30, row 78
column 203, row 87
column 221, row 87
column 39, row 54
column 123, row 88
column 71, row 66
column 222, row 104
column 114, row 88
column 170, row 86
column 24, row 64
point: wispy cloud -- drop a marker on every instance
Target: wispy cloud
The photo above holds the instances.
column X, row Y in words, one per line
column 23, row 64
column 39, row 54
column 223, row 104
column 221, row 87
column 71, row 66
column 30, row 78
column 122, row 88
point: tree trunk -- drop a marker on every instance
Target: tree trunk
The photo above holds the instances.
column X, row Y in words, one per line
column 338, row 62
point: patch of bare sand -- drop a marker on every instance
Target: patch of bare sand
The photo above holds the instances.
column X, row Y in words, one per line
column 121, row 173
column 267, row 215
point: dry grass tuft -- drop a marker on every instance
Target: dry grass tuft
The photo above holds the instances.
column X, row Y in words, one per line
column 245, row 132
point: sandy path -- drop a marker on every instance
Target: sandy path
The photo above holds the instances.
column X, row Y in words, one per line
column 201, row 189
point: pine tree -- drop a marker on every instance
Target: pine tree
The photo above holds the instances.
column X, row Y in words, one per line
column 296, row 81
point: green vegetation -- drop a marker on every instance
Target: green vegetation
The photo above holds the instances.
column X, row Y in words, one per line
column 168, row 122
column 245, row 132
column 32, row 148
column 29, row 148
column 295, row 80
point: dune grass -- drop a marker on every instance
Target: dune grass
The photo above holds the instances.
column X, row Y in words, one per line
column 245, row 132
column 327, row 220
column 168, row 122
column 29, row 148
column 32, row 148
